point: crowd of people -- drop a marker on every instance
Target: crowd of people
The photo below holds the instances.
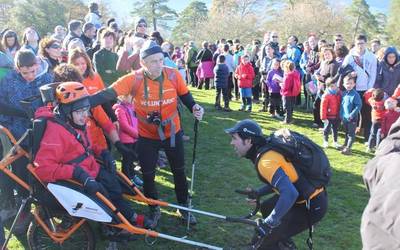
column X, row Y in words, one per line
column 348, row 84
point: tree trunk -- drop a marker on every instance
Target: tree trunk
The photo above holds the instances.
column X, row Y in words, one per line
column 153, row 12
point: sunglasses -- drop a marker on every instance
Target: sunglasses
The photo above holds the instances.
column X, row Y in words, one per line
column 338, row 40
column 274, row 36
column 55, row 46
column 142, row 25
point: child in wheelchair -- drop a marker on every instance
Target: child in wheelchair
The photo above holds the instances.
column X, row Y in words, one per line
column 65, row 151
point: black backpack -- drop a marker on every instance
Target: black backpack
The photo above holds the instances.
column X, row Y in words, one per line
column 307, row 157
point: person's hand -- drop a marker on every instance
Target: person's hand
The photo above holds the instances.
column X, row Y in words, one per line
column 252, row 193
column 198, row 112
column 108, row 161
column 263, row 228
column 90, row 185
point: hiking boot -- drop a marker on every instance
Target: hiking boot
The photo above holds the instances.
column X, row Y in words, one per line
column 218, row 107
column 183, row 214
column 346, row 151
column 287, row 244
column 325, row 144
column 142, row 221
column 154, row 215
column 227, row 109
column 137, row 181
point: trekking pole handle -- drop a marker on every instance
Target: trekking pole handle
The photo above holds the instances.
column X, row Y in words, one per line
column 242, row 220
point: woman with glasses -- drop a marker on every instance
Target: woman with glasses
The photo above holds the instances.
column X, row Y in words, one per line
column 50, row 51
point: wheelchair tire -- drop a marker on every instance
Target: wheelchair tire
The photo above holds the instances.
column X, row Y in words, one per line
column 82, row 239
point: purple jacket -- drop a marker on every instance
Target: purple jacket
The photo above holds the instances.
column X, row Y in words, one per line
column 273, row 85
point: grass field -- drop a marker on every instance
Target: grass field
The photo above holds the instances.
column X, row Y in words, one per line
column 219, row 172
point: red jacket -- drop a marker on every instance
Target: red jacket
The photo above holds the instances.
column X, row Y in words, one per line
column 128, row 123
column 389, row 118
column 57, row 147
column 330, row 106
column 291, row 82
column 245, row 75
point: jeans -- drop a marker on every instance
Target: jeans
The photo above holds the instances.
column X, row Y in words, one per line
column 333, row 124
column 148, row 155
column 288, row 105
column 374, row 135
column 350, row 132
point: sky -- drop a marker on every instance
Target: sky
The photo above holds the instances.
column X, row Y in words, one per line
column 123, row 7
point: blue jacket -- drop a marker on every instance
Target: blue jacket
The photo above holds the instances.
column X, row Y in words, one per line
column 293, row 54
column 350, row 105
column 13, row 89
column 221, row 75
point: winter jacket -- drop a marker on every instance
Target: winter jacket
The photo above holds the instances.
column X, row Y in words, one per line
column 13, row 89
column 273, row 85
column 204, row 55
column 350, row 105
column 99, row 122
column 190, row 57
column 313, row 62
column 128, row 123
column 389, row 118
column 388, row 76
column 57, row 147
column 221, row 75
column 293, row 54
column 289, row 81
column 87, row 42
column 105, row 63
column 378, row 109
column 68, row 38
column 330, row 105
column 245, row 75
column 94, row 18
column 266, row 65
column 6, row 61
column 229, row 62
column 303, row 62
column 380, row 221
column 327, row 70
column 29, row 47
column 366, row 68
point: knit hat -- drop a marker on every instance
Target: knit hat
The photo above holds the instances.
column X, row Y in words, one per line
column 139, row 21
column 149, row 48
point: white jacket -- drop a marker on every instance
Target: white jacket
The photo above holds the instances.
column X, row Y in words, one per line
column 366, row 75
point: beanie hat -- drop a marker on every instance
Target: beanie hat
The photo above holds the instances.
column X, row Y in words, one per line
column 149, row 48
column 139, row 21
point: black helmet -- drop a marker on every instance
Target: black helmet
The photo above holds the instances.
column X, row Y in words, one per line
column 246, row 128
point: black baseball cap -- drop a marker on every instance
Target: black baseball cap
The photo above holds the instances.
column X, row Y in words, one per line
column 247, row 128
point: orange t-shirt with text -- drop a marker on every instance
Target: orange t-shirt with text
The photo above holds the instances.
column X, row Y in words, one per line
column 173, row 87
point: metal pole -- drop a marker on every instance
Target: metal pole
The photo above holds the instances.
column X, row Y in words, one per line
column 196, row 128
column 190, row 242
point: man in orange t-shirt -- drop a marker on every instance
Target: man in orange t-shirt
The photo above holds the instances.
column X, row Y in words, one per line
column 155, row 90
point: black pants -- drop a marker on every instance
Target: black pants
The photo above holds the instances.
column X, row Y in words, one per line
column 127, row 161
column 275, row 104
column 288, row 106
column 148, row 155
column 295, row 221
column 6, row 187
column 365, row 116
column 206, row 82
column 236, row 87
column 193, row 76
column 230, row 85
column 224, row 92
column 114, row 192
column 19, row 168
column 317, row 111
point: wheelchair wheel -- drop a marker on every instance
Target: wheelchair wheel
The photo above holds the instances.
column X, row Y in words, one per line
column 82, row 238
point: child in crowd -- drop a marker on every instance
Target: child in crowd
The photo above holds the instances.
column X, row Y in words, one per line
column 391, row 115
column 244, row 73
column 350, row 106
column 272, row 84
column 221, row 76
column 290, row 88
column 377, row 103
column 330, row 106
column 128, row 134
column 181, row 67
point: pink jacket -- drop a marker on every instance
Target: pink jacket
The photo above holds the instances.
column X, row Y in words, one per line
column 128, row 123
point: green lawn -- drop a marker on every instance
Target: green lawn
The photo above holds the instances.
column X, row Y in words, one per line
column 219, row 172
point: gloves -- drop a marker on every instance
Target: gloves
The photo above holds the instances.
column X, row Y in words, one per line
column 124, row 150
column 108, row 161
column 263, row 228
column 198, row 112
column 252, row 194
column 90, row 185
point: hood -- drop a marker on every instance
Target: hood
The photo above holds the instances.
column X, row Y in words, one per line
column 391, row 50
column 43, row 68
column 44, row 112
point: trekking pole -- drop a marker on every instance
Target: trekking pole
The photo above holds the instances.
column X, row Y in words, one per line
column 196, row 128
